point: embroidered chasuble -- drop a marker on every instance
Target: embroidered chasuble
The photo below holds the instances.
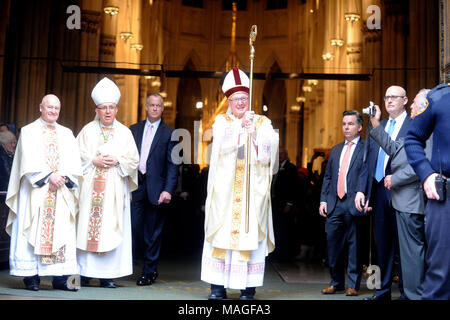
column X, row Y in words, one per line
column 45, row 219
column 225, row 208
column 49, row 205
column 104, row 190
column 231, row 256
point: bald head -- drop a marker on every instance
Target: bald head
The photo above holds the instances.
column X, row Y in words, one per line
column 396, row 90
column 50, row 98
column 50, row 108
column 395, row 101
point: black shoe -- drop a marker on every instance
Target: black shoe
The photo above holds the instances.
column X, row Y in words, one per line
column 217, row 293
column 403, row 297
column 247, row 294
column 383, row 297
column 32, row 283
column 60, row 283
column 85, row 281
column 147, row 279
column 107, row 283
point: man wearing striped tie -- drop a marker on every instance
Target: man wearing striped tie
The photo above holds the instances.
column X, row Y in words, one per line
column 336, row 205
column 371, row 186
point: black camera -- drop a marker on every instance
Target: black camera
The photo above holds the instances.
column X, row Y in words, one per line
column 440, row 182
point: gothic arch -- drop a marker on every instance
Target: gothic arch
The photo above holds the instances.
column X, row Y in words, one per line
column 274, row 97
column 188, row 93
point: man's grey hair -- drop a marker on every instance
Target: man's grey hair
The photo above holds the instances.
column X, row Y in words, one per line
column 156, row 95
column 7, row 137
column 358, row 115
column 422, row 97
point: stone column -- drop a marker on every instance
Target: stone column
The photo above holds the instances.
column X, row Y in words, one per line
column 89, row 51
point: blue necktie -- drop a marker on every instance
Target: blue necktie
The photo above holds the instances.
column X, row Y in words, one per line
column 379, row 173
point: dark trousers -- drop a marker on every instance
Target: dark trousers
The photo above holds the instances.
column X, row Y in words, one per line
column 411, row 239
column 385, row 226
column 436, row 285
column 343, row 234
column 147, row 222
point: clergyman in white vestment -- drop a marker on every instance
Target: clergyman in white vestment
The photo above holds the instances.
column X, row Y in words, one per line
column 232, row 256
column 110, row 159
column 42, row 197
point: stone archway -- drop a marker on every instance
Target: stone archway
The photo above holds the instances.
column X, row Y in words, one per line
column 274, row 97
column 189, row 92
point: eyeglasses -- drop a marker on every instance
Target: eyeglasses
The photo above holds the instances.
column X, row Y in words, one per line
column 104, row 109
column 154, row 105
column 244, row 99
column 392, row 97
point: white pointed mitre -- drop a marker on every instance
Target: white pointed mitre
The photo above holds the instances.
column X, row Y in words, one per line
column 105, row 91
column 235, row 81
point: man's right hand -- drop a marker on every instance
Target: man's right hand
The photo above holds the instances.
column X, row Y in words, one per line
column 360, row 200
column 375, row 119
column 429, row 186
column 323, row 209
column 56, row 181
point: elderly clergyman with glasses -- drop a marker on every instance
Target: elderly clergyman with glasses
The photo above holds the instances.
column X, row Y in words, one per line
column 234, row 257
column 110, row 160
column 374, row 195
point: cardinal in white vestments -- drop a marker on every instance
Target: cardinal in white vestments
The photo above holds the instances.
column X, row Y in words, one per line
column 42, row 198
column 233, row 254
column 110, row 159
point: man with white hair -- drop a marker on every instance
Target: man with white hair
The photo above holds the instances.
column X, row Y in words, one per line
column 42, row 199
column 8, row 143
column 408, row 201
column 110, row 158
column 234, row 257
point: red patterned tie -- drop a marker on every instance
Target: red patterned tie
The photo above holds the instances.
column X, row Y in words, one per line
column 343, row 171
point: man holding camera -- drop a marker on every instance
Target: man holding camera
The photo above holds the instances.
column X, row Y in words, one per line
column 435, row 119
column 371, row 183
column 408, row 201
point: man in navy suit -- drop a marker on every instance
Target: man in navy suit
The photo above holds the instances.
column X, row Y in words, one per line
column 371, row 185
column 157, row 176
column 337, row 206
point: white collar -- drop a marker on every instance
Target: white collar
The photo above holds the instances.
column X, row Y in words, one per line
column 110, row 126
column 47, row 123
column 400, row 118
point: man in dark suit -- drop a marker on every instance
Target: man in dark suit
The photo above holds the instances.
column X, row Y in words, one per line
column 157, row 177
column 371, row 184
column 337, row 206
column 284, row 191
column 408, row 201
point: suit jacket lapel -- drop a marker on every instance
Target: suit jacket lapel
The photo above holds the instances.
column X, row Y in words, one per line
column 139, row 134
column 156, row 138
column 338, row 158
column 358, row 149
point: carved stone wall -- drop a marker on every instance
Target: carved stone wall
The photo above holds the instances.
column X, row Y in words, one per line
column 403, row 52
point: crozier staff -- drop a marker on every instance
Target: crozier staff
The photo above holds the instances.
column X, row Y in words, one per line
column 232, row 257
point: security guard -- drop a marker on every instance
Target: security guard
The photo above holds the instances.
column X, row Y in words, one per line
column 434, row 119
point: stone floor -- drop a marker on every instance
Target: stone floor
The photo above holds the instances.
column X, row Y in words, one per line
column 179, row 279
